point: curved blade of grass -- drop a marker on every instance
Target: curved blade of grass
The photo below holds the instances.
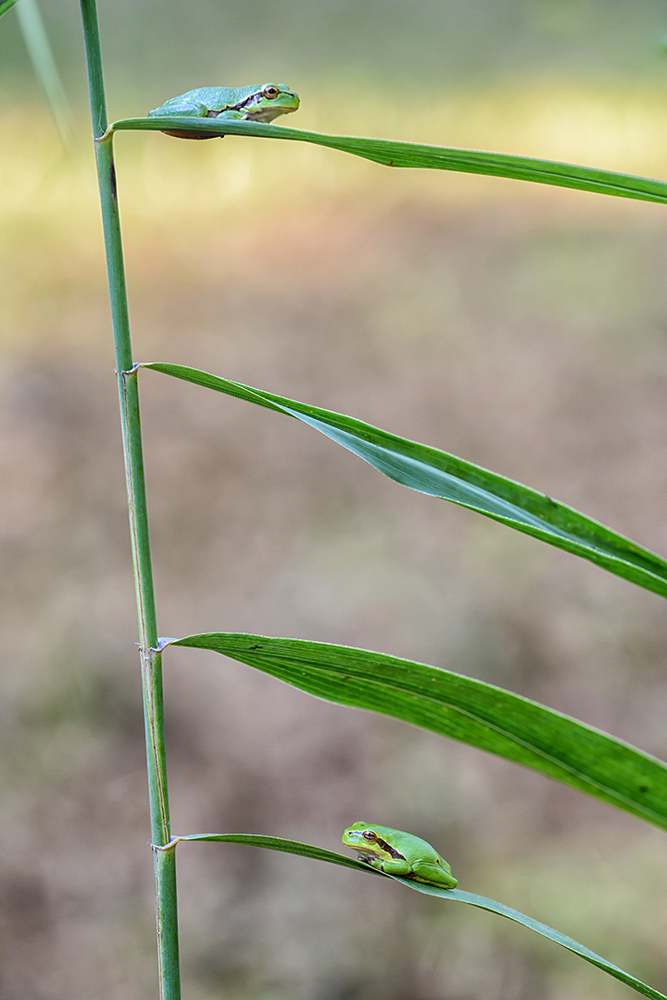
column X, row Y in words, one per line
column 6, row 5
column 461, row 708
column 46, row 70
column 449, row 478
column 457, row 895
column 482, row 903
column 391, row 153
column 277, row 844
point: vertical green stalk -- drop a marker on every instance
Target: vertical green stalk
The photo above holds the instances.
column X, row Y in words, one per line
column 164, row 861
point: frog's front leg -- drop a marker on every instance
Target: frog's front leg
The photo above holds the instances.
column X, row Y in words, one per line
column 226, row 113
column 396, row 866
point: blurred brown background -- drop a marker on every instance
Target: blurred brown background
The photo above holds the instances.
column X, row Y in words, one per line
column 520, row 327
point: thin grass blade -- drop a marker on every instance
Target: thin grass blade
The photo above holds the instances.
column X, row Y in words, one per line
column 442, row 475
column 482, row 903
column 457, row 895
column 391, row 153
column 46, row 70
column 279, row 844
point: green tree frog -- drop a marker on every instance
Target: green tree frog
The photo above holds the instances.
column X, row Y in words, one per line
column 257, row 104
column 398, row 853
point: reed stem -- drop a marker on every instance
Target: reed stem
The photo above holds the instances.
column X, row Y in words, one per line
column 151, row 668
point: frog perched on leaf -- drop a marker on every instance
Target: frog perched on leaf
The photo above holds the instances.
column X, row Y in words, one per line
column 398, row 853
column 257, row 104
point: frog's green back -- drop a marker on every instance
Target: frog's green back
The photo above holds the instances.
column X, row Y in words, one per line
column 208, row 97
column 214, row 97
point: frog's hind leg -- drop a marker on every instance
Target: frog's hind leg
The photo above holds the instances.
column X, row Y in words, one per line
column 187, row 109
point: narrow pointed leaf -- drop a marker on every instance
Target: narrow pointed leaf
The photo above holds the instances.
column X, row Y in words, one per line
column 450, row 478
column 482, row 903
column 461, row 708
column 6, row 5
column 457, row 895
column 391, row 153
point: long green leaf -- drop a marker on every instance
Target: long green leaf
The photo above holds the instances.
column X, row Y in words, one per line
column 459, row 707
column 442, row 475
column 457, row 895
column 6, row 5
column 391, row 153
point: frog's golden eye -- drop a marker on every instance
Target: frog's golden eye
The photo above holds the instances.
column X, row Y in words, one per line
column 270, row 92
column 370, row 836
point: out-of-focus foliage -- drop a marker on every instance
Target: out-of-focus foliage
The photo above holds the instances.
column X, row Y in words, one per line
column 44, row 66
column 166, row 46
column 520, row 327
column 6, row 5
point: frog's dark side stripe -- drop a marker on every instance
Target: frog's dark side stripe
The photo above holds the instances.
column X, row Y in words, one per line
column 247, row 101
column 390, row 850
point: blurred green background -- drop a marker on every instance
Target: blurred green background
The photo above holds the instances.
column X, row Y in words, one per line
column 520, row 327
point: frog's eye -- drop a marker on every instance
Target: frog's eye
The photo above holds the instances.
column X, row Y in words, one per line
column 270, row 92
column 370, row 836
